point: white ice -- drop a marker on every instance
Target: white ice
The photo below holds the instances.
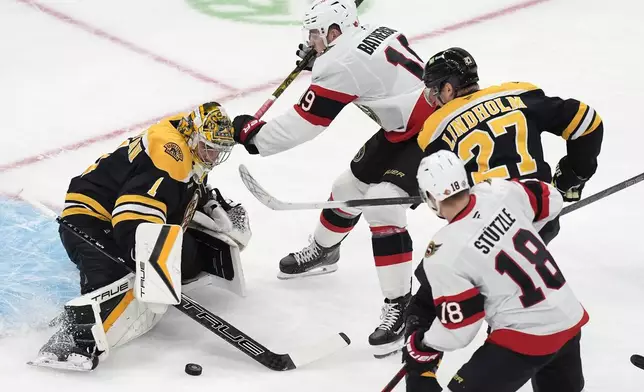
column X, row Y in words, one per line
column 62, row 83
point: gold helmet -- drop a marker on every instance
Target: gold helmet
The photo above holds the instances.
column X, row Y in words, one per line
column 209, row 134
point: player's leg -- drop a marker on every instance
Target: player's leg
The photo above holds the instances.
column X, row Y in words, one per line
column 392, row 244
column 495, row 368
column 564, row 372
column 323, row 252
column 96, row 270
column 106, row 315
column 392, row 252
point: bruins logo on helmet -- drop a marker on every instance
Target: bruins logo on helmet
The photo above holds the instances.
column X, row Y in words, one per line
column 432, row 248
column 174, row 151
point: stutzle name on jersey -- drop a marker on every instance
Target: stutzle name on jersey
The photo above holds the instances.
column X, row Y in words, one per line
column 493, row 233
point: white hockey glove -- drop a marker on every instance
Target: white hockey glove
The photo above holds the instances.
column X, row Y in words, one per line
column 229, row 217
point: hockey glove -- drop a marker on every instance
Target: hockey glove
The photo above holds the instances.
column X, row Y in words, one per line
column 228, row 217
column 302, row 51
column 245, row 128
column 567, row 182
column 421, row 363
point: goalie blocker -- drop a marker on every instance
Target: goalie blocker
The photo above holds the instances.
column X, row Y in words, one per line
column 165, row 257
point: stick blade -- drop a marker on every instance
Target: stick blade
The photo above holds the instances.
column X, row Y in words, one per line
column 324, row 348
column 259, row 192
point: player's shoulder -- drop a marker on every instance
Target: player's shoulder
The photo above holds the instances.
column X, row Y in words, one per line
column 512, row 87
column 463, row 112
column 354, row 50
column 168, row 150
column 444, row 247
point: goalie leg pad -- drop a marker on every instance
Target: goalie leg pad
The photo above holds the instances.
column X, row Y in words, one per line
column 94, row 323
column 158, row 263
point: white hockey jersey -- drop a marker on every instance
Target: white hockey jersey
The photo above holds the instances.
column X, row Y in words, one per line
column 372, row 68
column 489, row 262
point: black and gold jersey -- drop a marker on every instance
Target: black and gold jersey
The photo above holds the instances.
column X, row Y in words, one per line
column 496, row 131
column 148, row 178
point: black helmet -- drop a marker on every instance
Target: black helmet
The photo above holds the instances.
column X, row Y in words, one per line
column 453, row 65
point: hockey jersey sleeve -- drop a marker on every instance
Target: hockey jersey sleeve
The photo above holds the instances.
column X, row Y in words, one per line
column 541, row 201
column 579, row 124
column 460, row 308
column 332, row 88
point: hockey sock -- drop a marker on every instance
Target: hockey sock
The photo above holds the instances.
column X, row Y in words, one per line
column 392, row 252
column 333, row 226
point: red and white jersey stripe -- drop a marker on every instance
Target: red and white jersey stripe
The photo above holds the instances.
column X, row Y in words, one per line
column 375, row 69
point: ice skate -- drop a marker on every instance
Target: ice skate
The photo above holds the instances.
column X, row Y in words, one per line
column 312, row 260
column 388, row 337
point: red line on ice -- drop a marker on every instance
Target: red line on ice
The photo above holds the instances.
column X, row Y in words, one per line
column 232, row 95
column 125, row 44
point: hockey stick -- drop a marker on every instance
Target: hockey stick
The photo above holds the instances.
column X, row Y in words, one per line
column 289, row 79
column 395, row 380
column 638, row 361
column 601, row 194
column 273, row 203
column 216, row 324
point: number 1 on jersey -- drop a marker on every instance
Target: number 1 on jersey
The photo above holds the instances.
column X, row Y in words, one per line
column 397, row 58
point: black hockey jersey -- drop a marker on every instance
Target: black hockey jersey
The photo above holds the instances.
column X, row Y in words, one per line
column 496, row 131
column 147, row 179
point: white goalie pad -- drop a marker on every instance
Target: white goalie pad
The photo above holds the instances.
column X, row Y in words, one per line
column 236, row 284
column 158, row 264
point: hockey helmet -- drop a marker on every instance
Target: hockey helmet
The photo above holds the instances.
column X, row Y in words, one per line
column 209, row 134
column 441, row 175
column 323, row 14
column 454, row 66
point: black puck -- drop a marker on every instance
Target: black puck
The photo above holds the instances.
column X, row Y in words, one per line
column 193, row 369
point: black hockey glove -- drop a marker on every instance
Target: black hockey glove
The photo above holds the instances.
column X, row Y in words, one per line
column 245, row 128
column 421, row 363
column 567, row 182
column 302, row 51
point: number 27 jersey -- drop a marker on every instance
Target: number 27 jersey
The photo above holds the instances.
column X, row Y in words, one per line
column 376, row 69
column 489, row 262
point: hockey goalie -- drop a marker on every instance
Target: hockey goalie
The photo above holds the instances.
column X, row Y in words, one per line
column 147, row 203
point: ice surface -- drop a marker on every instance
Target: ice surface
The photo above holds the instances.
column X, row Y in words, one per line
column 68, row 86
column 35, row 274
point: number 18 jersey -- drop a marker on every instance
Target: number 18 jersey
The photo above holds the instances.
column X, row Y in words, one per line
column 374, row 68
column 490, row 263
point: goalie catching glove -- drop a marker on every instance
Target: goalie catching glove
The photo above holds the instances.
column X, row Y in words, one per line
column 227, row 217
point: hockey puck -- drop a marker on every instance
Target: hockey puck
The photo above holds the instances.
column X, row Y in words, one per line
column 638, row 361
column 193, row 369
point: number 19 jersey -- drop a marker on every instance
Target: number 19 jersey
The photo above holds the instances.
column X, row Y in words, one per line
column 490, row 263
column 374, row 68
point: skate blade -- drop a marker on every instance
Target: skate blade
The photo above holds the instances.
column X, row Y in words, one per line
column 326, row 269
column 389, row 349
column 53, row 363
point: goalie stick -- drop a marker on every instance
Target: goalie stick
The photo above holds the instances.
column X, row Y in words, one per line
column 218, row 325
column 273, row 203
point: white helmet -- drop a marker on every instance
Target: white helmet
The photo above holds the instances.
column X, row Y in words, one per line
column 440, row 176
column 324, row 13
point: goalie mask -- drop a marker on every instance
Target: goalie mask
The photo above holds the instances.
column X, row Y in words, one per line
column 209, row 134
